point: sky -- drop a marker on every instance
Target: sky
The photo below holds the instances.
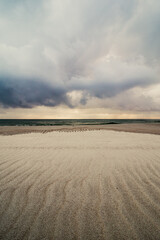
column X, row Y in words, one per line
column 79, row 59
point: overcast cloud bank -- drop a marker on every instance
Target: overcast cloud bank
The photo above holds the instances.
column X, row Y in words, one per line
column 80, row 53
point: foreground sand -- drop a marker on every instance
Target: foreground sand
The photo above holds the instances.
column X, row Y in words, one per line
column 80, row 185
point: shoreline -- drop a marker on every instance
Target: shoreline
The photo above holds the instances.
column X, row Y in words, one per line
column 149, row 128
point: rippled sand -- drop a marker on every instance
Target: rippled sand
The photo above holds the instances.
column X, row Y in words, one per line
column 151, row 128
column 80, row 185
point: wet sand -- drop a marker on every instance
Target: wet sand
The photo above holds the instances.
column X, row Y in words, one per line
column 80, row 185
column 152, row 128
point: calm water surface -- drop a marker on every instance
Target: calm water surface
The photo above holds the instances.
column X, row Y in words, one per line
column 71, row 122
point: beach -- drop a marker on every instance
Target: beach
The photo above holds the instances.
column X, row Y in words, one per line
column 83, row 182
column 152, row 128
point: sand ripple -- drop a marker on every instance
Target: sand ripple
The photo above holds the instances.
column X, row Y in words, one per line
column 80, row 185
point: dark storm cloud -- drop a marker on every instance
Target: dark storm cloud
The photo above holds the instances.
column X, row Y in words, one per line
column 100, row 49
column 29, row 93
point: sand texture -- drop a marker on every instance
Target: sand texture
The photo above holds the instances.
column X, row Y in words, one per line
column 80, row 185
column 152, row 128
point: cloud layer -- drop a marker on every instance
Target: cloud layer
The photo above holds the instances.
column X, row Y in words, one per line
column 80, row 54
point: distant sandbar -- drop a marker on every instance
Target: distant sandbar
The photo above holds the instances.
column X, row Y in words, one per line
column 151, row 128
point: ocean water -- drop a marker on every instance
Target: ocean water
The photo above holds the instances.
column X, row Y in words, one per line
column 71, row 122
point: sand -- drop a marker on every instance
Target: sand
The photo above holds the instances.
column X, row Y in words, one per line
column 152, row 128
column 80, row 185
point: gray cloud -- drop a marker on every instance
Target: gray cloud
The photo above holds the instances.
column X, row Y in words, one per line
column 133, row 100
column 110, row 89
column 29, row 93
column 51, row 49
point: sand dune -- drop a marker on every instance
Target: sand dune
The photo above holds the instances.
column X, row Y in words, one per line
column 80, row 185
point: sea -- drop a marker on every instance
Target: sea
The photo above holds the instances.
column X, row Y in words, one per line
column 71, row 122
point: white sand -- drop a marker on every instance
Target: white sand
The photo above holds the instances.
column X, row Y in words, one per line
column 80, row 185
